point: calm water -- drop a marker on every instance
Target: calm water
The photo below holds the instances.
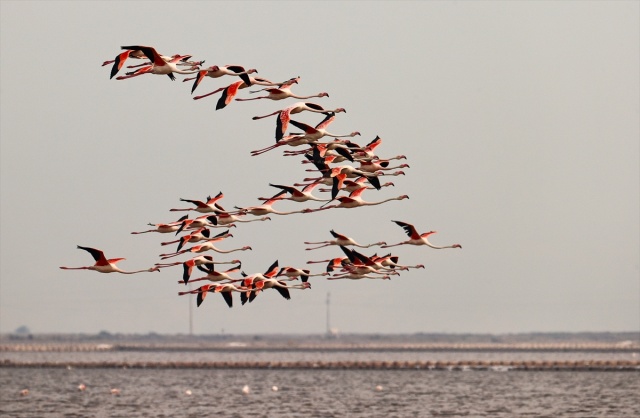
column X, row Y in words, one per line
column 53, row 392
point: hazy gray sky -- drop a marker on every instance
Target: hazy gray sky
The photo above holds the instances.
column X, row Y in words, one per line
column 520, row 121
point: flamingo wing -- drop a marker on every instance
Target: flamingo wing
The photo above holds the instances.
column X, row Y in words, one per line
column 272, row 270
column 409, row 229
column 284, row 292
column 97, row 255
column 228, row 94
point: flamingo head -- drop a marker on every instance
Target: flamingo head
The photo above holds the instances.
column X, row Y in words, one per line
column 323, row 94
column 387, row 184
column 251, row 71
column 154, row 268
column 246, row 248
column 398, row 173
column 405, row 166
column 355, row 133
column 404, row 196
column 456, row 246
column 340, row 109
column 420, row 266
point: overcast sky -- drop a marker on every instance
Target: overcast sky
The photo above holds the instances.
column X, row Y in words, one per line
column 520, row 123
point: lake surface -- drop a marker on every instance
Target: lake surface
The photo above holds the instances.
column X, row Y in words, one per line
column 53, row 392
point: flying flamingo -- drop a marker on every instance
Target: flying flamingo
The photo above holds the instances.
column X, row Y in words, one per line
column 104, row 265
column 202, row 260
column 333, row 263
column 216, row 71
column 229, row 219
column 341, row 240
column 372, row 166
column 303, row 195
column 202, row 207
column 224, row 289
column 354, row 200
column 164, row 228
column 216, row 276
column 231, row 91
column 392, row 262
column 418, row 239
column 361, row 264
column 199, row 222
column 158, row 66
column 201, row 234
column 267, row 208
column 310, row 136
column 343, row 171
column 206, row 246
column 284, row 115
column 351, row 185
column 358, row 276
column 279, row 285
column 281, row 93
column 293, row 273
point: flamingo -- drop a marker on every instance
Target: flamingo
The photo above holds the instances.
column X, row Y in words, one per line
column 266, row 207
column 303, row 195
column 164, row 228
column 392, row 262
column 293, row 273
column 333, row 263
column 199, row 222
column 188, row 265
column 119, row 60
column 104, row 265
column 418, row 239
column 206, row 246
column 341, row 240
column 281, row 93
column 310, row 136
column 230, row 92
column 202, row 207
column 372, row 166
column 224, row 289
column 159, row 65
column 201, row 234
column 284, row 115
column 351, row 185
column 354, row 200
column 358, row 276
column 228, row 219
column 216, row 276
column 279, row 285
column 216, row 71
column 362, row 264
column 343, row 171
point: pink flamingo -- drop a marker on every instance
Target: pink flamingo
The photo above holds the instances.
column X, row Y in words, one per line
column 332, row 264
column 284, row 115
column 341, row 240
column 216, row 276
column 303, row 195
column 354, row 200
column 293, row 273
column 164, row 228
column 202, row 260
column 159, row 65
column 216, row 71
column 202, row 207
column 418, row 239
column 104, row 265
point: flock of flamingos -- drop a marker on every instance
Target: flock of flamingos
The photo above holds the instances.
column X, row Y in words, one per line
column 342, row 186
